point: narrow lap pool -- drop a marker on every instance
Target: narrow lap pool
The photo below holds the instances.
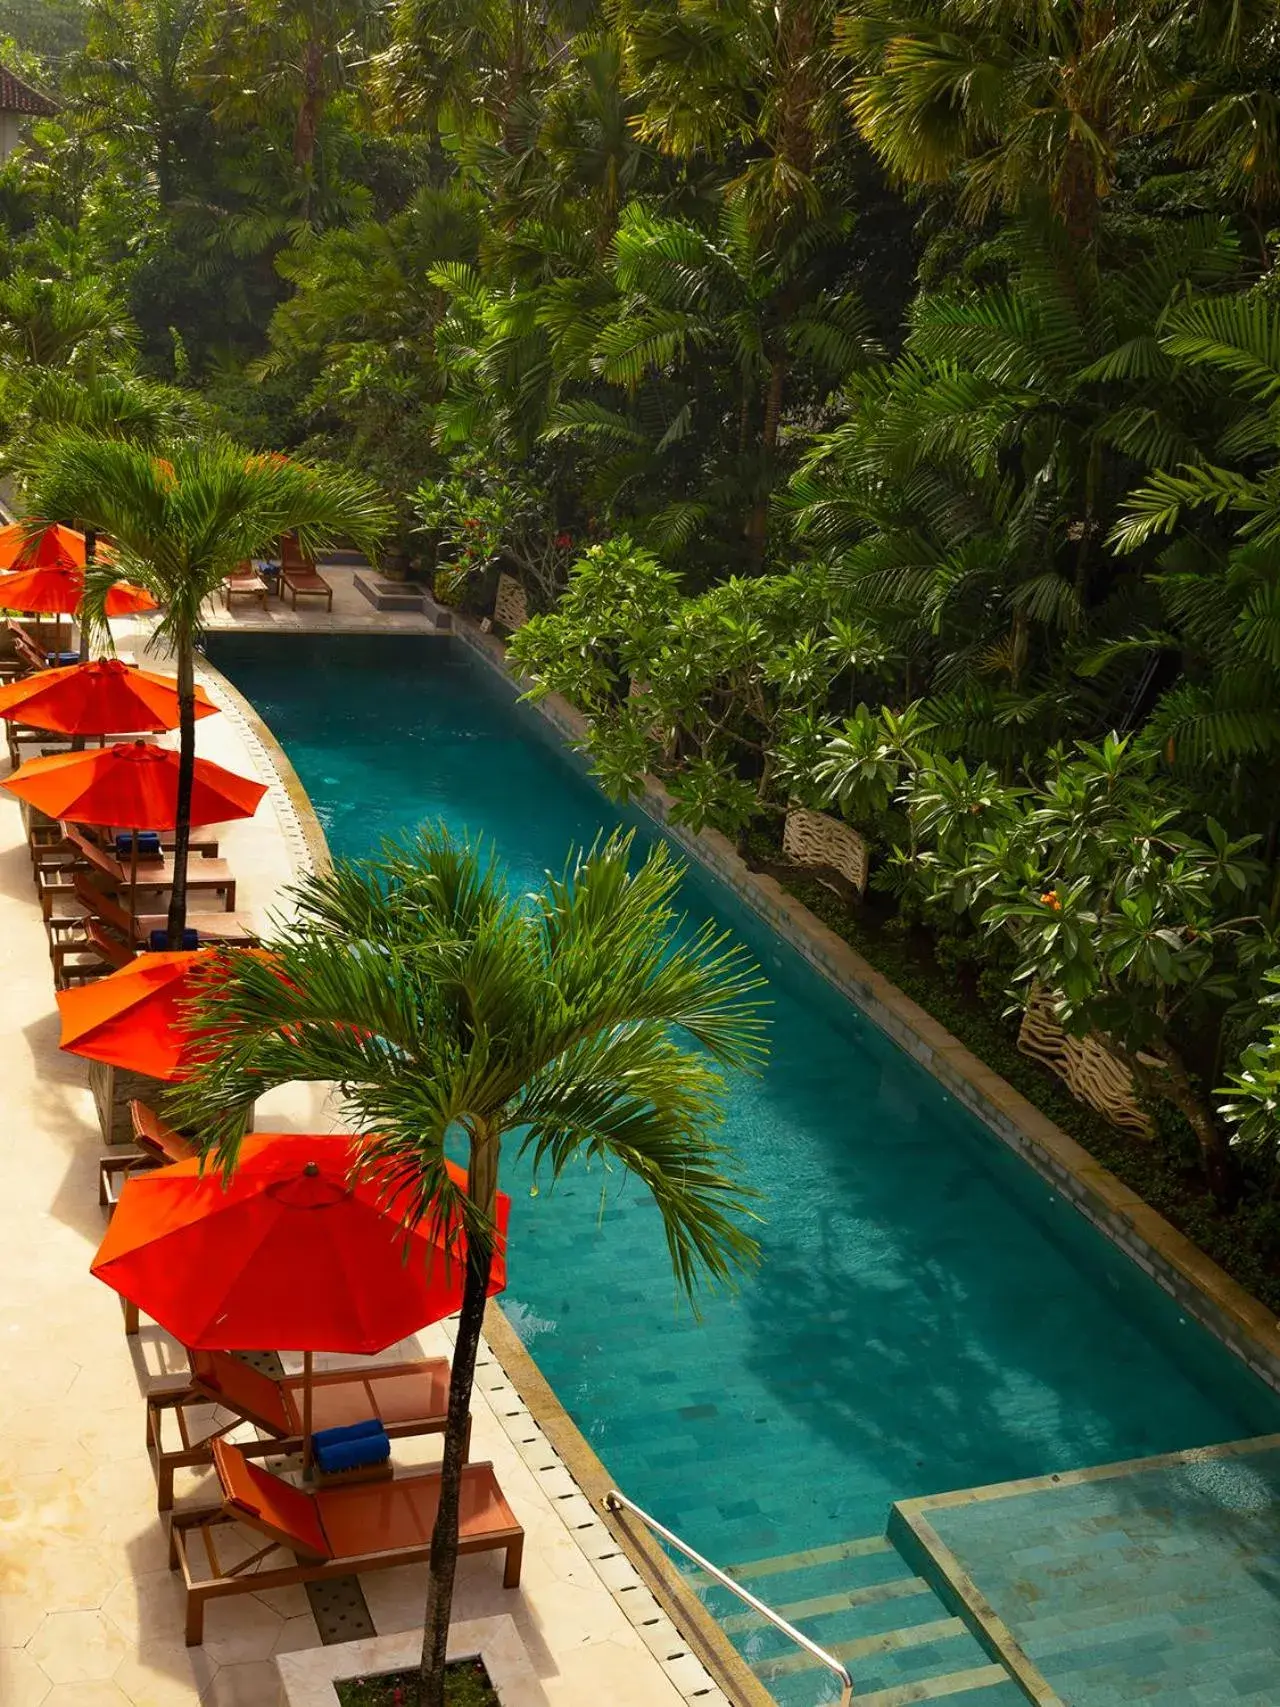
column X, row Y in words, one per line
column 928, row 1315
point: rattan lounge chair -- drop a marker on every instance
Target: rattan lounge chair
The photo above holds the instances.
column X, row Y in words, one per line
column 245, row 583
column 335, row 1532
column 406, row 1398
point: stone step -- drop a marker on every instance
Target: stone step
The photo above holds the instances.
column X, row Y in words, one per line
column 866, row 1647
column 897, row 1588
column 863, row 1548
column 982, row 1686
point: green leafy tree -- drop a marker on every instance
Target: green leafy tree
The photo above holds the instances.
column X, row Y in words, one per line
column 137, row 78
column 180, row 522
column 451, row 1012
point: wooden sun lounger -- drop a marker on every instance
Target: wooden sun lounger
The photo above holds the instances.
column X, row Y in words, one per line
column 155, row 875
column 335, row 1532
column 245, row 582
column 406, row 1398
column 231, row 930
column 305, row 582
column 158, row 1145
column 201, row 842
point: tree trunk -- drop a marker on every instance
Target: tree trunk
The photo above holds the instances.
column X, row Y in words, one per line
column 1175, row 1085
column 308, row 121
column 482, row 1187
column 186, row 778
column 758, row 521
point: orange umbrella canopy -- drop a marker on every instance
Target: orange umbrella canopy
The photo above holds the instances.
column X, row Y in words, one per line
column 54, row 547
column 299, row 1248
column 136, row 1018
column 104, row 697
column 134, row 785
column 60, row 589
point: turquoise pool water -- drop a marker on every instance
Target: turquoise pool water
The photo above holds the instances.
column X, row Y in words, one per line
column 928, row 1315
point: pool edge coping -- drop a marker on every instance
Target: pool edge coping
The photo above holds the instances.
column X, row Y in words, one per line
column 940, row 1563
column 665, row 1582
column 1220, row 1304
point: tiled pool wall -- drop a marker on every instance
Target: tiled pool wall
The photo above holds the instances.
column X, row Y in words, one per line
column 1197, row 1284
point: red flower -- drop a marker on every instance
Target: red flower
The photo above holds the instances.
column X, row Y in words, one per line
column 471, row 522
column 564, row 541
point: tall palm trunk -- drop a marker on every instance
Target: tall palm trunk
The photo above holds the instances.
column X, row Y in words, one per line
column 186, row 779
column 758, row 520
column 482, row 1188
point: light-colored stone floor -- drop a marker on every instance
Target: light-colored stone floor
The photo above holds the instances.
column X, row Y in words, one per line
column 352, row 612
column 90, row 1616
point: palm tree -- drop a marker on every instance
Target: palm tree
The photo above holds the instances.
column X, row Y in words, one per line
column 180, row 523
column 451, row 1012
column 1023, row 101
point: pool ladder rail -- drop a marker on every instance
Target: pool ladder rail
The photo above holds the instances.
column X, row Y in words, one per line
column 615, row 1502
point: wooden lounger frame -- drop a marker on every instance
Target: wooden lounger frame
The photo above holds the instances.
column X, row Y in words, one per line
column 195, row 1453
column 247, row 1578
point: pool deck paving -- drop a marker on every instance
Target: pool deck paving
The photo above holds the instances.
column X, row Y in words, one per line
column 90, row 1615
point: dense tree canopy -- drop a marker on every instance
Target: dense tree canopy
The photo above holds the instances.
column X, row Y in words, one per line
column 878, row 403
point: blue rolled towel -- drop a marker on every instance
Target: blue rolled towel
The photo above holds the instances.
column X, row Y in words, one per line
column 59, row 659
column 160, row 940
column 354, row 1447
column 148, row 845
column 348, row 1431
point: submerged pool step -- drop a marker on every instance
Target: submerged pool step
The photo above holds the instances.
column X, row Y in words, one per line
column 981, row 1686
column 862, row 1603
column 896, row 1588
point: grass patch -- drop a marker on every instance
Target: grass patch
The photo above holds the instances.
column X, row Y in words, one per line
column 466, row 1685
column 1244, row 1241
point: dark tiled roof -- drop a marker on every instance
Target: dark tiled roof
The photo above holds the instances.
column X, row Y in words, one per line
column 19, row 97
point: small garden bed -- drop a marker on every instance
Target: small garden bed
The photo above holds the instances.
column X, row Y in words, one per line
column 1245, row 1242
column 466, row 1685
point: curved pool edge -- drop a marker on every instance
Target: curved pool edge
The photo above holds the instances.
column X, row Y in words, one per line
column 1218, row 1303
column 309, row 850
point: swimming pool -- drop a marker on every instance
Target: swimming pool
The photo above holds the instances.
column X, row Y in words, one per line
column 929, row 1315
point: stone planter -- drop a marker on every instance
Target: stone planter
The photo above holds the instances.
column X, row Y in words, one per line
column 814, row 838
column 113, row 1090
column 308, row 1677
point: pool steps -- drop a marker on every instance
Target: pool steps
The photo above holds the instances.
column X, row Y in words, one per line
column 862, row 1602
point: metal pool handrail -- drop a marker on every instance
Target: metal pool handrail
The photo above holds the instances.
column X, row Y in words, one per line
column 614, row 1501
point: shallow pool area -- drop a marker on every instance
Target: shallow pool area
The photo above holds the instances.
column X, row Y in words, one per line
column 928, row 1315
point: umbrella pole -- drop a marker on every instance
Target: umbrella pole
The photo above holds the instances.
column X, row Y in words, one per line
column 133, row 893
column 306, row 1416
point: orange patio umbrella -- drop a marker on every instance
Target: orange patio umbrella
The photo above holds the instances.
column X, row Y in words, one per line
column 104, row 697
column 59, row 590
column 52, row 546
column 132, row 784
column 302, row 1248
column 138, row 1017
column 135, row 786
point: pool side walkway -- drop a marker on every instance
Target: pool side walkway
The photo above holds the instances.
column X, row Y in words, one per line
column 90, row 1616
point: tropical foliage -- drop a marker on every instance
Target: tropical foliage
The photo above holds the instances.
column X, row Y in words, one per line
column 877, row 403
column 456, row 1017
